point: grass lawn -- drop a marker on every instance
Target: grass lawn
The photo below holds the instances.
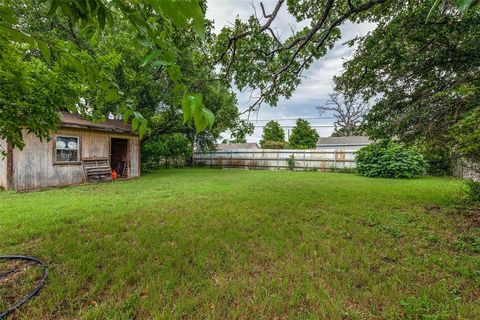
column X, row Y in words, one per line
column 217, row 244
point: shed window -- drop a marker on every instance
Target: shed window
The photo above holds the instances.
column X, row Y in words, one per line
column 67, row 149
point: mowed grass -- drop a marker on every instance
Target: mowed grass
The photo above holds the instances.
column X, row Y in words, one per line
column 224, row 244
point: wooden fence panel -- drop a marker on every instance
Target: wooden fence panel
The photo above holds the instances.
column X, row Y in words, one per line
column 323, row 159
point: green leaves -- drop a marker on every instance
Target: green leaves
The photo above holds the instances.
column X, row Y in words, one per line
column 153, row 54
column 91, row 13
column 7, row 31
column 138, row 122
column 209, row 116
column 181, row 12
column 407, row 52
column 466, row 135
column 193, row 107
column 8, row 15
column 102, row 14
column 463, row 5
column 90, row 66
column 273, row 136
column 31, row 95
column 434, row 7
column 303, row 136
column 45, row 50
column 111, row 95
column 150, row 56
column 390, row 160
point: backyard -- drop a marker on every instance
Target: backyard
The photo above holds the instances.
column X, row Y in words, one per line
column 213, row 244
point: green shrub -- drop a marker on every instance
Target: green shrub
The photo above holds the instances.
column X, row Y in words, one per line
column 165, row 150
column 291, row 162
column 439, row 160
column 472, row 190
column 273, row 145
column 390, row 160
column 346, row 170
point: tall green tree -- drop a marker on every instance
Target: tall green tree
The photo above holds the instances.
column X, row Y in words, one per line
column 67, row 36
column 423, row 75
column 275, row 65
column 303, row 136
column 273, row 136
column 30, row 94
column 277, row 62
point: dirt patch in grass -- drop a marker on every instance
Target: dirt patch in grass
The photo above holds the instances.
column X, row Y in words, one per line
column 471, row 214
column 17, row 279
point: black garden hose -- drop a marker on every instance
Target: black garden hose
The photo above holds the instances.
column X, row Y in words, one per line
column 34, row 292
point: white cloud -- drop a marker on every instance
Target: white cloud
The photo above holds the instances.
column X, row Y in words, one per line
column 315, row 88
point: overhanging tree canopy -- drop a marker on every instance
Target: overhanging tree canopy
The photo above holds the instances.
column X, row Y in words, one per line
column 423, row 75
column 275, row 65
column 152, row 24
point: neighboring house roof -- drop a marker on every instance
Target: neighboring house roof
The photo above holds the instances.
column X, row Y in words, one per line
column 73, row 120
column 233, row 146
column 343, row 141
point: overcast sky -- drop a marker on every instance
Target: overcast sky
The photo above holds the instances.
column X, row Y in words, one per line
column 314, row 90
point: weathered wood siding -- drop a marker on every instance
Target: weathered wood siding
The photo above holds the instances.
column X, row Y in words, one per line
column 3, row 165
column 34, row 167
column 134, row 168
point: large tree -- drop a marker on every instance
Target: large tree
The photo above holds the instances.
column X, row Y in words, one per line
column 276, row 64
column 303, row 136
column 423, row 75
column 251, row 53
column 66, row 37
column 273, row 136
column 125, row 80
column 30, row 95
column 348, row 112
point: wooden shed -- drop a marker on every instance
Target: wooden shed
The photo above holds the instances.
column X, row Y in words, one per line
column 80, row 151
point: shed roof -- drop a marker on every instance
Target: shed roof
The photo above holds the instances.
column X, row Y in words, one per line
column 232, row 146
column 347, row 141
column 73, row 120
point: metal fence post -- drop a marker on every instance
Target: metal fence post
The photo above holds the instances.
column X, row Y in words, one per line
column 263, row 157
column 335, row 160
column 304, row 161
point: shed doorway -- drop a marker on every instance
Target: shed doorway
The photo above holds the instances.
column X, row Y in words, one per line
column 119, row 156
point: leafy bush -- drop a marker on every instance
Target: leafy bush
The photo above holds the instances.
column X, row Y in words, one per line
column 273, row 145
column 167, row 150
column 390, row 160
column 472, row 190
column 346, row 170
column 439, row 160
column 291, row 162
